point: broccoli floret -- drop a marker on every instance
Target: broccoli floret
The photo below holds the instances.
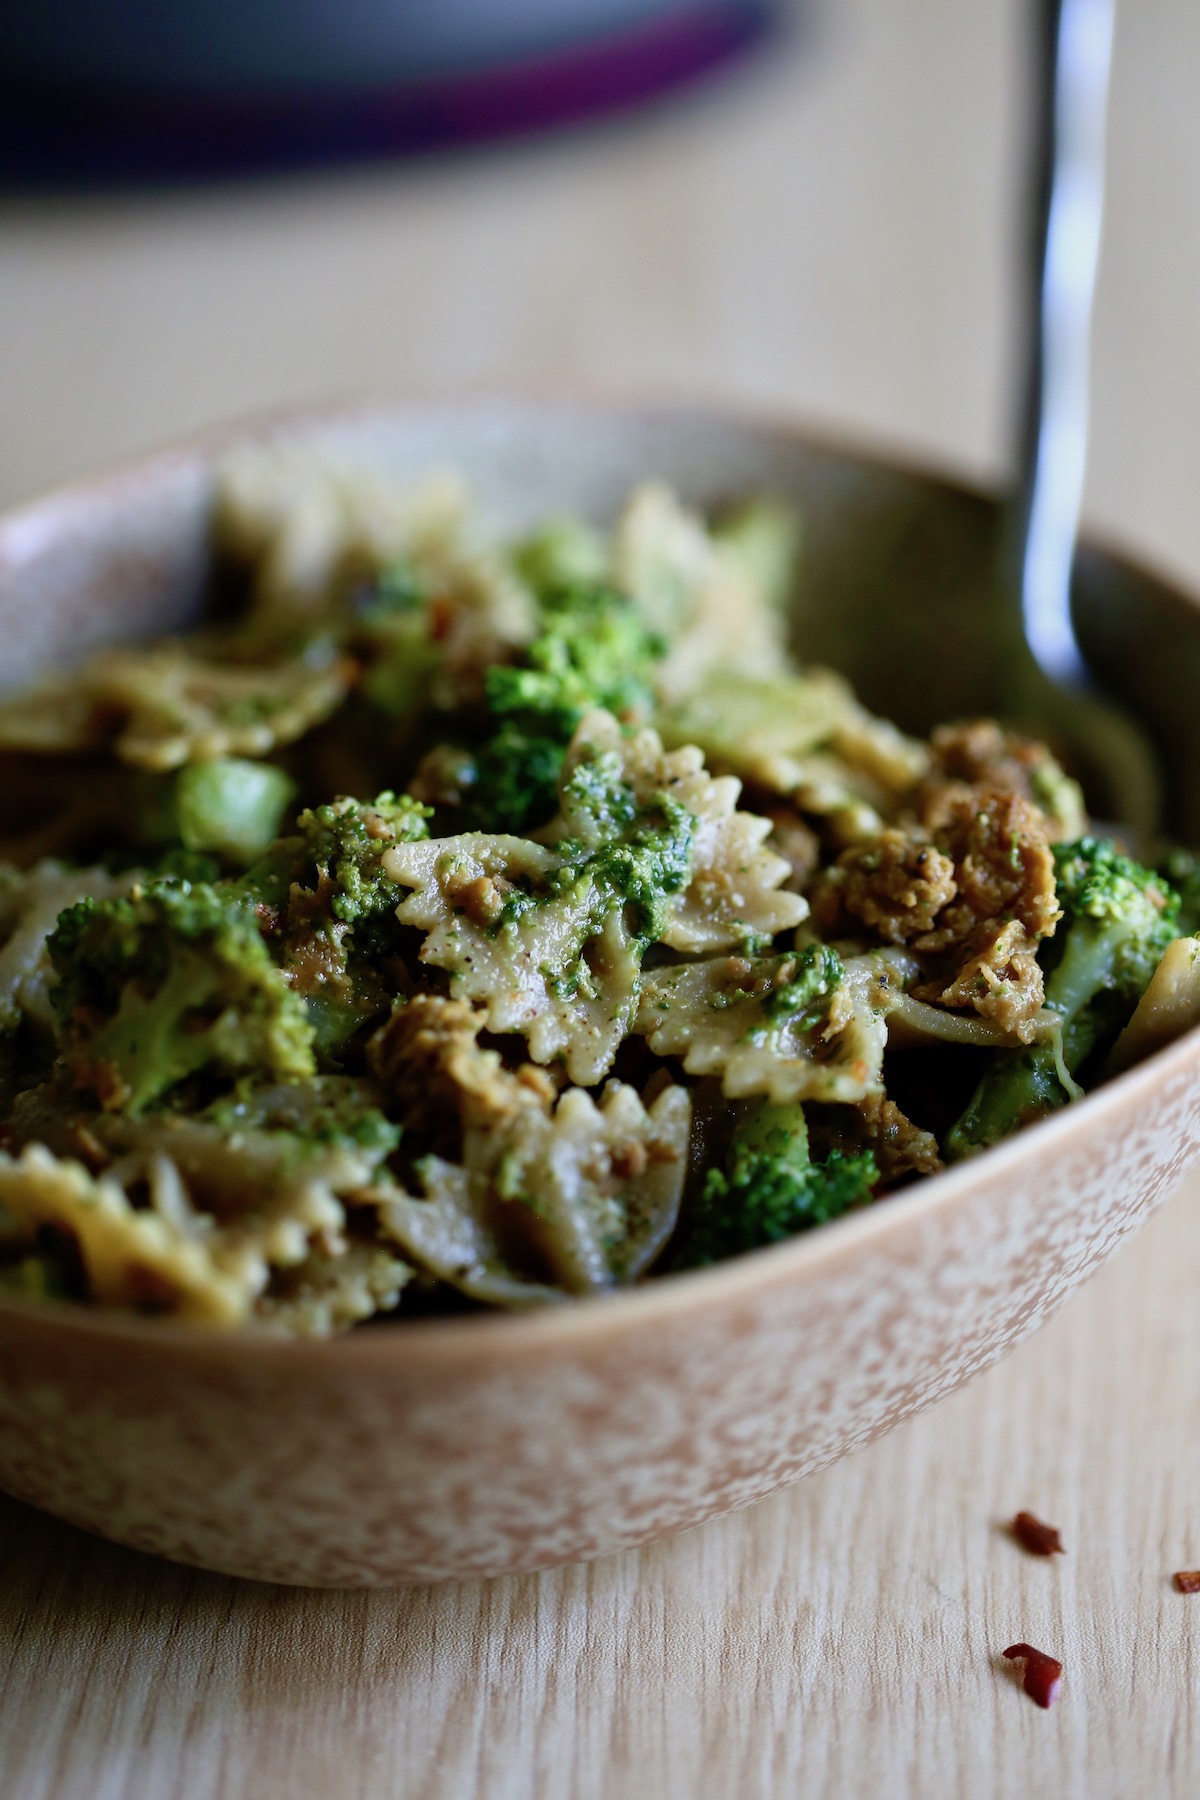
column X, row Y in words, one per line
column 195, row 822
column 171, row 981
column 345, row 843
column 593, row 650
column 1118, row 919
column 336, row 855
column 628, row 854
column 770, row 1188
column 512, row 783
column 330, row 909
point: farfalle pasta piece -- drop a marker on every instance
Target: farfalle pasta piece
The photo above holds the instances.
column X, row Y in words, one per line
column 876, row 748
column 316, row 535
column 326, row 1295
column 557, row 965
column 132, row 1257
column 602, row 1182
column 297, row 1145
column 193, row 1216
column 572, row 1200
column 161, row 707
column 647, row 847
column 30, row 902
column 57, row 717
column 801, row 1026
column 1169, row 1007
column 306, row 524
column 760, row 727
column 694, row 590
column 733, row 889
column 179, row 708
column 452, row 1234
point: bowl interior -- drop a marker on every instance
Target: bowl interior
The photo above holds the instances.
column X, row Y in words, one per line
column 896, row 569
column 894, row 563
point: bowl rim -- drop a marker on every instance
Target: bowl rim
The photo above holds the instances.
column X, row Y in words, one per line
column 662, row 1299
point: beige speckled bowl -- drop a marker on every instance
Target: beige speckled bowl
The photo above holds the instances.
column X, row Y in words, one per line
column 478, row 1445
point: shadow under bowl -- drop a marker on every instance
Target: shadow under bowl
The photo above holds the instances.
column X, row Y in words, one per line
column 483, row 1445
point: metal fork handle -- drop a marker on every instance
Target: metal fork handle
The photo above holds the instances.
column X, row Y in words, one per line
column 1070, row 115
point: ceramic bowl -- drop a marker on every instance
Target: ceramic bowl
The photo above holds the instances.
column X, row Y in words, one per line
column 480, row 1445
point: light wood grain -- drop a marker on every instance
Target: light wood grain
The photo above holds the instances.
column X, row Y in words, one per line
column 829, row 237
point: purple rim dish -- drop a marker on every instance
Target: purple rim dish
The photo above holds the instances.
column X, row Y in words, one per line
column 54, row 131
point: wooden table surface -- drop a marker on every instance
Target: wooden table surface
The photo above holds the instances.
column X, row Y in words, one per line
column 828, row 234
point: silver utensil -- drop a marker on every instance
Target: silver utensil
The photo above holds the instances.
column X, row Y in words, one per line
column 1050, row 686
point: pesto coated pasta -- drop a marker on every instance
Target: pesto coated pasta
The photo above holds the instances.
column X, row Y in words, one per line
column 447, row 924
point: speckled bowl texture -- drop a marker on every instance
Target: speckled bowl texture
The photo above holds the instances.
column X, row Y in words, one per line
column 481, row 1445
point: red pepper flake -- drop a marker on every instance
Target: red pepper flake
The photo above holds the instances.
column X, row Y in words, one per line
column 1038, row 1539
column 1188, row 1581
column 1043, row 1674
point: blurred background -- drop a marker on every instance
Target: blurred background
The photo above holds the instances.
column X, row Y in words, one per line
column 813, row 208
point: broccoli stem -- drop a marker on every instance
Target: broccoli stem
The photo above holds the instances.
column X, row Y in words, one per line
column 232, row 806
column 770, row 1188
column 1021, row 1086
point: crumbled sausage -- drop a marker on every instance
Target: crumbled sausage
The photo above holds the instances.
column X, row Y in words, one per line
column 980, row 756
column 429, row 1061
column 896, row 884
column 1003, row 867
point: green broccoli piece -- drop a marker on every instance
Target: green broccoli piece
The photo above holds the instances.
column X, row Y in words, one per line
column 511, row 784
column 625, row 854
column 593, row 650
column 770, row 1188
column 1118, row 919
column 562, row 554
column 231, row 806
column 336, row 853
column 174, row 980
column 345, row 843
column 330, row 909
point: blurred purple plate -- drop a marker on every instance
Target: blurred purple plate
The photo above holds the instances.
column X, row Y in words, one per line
column 132, row 90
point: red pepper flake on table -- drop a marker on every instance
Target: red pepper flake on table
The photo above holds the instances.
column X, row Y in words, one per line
column 1188, row 1581
column 1034, row 1536
column 1043, row 1674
